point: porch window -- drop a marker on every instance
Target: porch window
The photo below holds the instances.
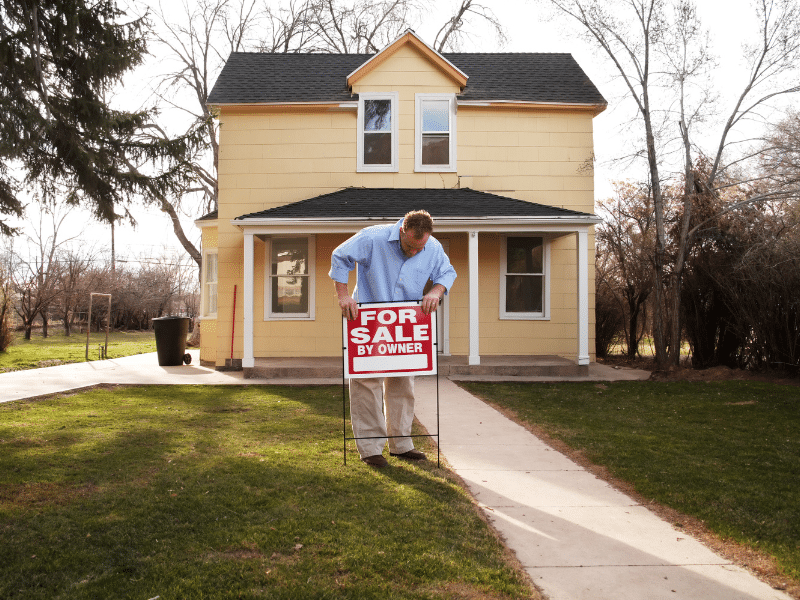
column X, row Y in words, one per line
column 290, row 280
column 209, row 300
column 524, row 280
column 435, row 132
column 378, row 140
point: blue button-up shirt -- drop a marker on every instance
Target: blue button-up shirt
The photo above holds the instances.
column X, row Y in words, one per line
column 385, row 273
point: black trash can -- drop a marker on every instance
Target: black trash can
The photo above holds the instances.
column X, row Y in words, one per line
column 171, row 335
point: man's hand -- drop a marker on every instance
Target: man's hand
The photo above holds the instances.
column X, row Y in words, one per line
column 346, row 303
column 431, row 300
column 349, row 308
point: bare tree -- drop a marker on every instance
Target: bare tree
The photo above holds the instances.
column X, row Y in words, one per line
column 453, row 32
column 627, row 34
column 660, row 52
column 626, row 238
column 772, row 65
column 780, row 157
column 76, row 279
column 36, row 269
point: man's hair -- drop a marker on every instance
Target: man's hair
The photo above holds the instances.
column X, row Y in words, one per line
column 419, row 222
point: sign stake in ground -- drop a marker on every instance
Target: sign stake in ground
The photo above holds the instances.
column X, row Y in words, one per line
column 103, row 349
column 389, row 339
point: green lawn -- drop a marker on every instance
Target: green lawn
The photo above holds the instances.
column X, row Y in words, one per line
column 226, row 492
column 58, row 349
column 725, row 452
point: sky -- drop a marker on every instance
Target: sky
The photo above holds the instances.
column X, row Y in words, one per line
column 528, row 30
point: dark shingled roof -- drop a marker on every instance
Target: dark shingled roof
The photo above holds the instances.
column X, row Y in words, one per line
column 253, row 78
column 393, row 203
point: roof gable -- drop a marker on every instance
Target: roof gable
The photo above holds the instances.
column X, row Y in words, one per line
column 409, row 38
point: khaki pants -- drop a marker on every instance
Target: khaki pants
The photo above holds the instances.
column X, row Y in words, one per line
column 381, row 407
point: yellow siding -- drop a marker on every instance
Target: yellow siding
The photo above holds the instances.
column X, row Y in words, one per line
column 208, row 327
column 208, row 339
column 274, row 156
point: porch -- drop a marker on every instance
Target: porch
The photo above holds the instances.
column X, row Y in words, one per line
column 492, row 368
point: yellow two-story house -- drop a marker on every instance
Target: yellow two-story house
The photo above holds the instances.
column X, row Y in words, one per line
column 313, row 147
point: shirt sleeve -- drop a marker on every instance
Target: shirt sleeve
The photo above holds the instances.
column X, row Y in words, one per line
column 443, row 272
column 357, row 249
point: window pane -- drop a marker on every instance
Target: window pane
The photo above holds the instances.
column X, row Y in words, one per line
column 289, row 294
column 435, row 149
column 435, row 116
column 377, row 148
column 211, row 284
column 211, row 289
column 524, row 293
column 525, row 255
column 289, row 256
column 211, row 268
column 377, row 115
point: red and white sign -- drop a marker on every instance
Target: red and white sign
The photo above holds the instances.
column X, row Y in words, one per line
column 389, row 340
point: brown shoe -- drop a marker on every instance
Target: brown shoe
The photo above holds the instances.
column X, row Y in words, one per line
column 411, row 455
column 376, row 461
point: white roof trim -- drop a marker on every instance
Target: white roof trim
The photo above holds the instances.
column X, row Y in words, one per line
column 337, row 103
column 528, row 102
column 565, row 224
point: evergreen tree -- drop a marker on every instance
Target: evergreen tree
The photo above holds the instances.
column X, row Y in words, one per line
column 58, row 60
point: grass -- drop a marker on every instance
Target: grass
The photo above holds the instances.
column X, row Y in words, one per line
column 226, row 492
column 58, row 349
column 727, row 452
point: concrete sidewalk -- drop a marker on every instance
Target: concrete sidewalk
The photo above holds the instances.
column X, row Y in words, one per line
column 577, row 537
column 140, row 369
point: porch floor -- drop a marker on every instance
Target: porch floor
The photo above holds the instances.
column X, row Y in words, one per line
column 553, row 368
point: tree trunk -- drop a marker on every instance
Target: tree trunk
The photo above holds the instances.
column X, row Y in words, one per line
column 633, row 324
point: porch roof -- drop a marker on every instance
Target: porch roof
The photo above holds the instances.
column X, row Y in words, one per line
column 389, row 204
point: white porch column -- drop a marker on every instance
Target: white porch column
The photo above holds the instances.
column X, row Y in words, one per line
column 248, row 361
column 583, row 296
column 474, row 308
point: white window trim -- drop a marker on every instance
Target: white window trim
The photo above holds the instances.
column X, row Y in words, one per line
column 312, row 249
column 527, row 316
column 418, row 166
column 395, row 165
column 204, row 314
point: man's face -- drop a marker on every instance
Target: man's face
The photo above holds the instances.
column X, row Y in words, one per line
column 411, row 245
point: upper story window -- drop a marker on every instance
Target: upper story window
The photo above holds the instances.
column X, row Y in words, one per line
column 524, row 277
column 435, row 132
column 209, row 299
column 290, row 280
column 378, row 138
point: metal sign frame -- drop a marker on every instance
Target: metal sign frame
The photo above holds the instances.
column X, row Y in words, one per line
column 390, row 373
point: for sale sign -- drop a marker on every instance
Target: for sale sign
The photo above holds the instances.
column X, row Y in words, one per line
column 389, row 340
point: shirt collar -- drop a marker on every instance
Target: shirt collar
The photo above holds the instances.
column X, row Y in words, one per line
column 394, row 232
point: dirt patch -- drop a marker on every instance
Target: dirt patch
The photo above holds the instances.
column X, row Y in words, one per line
column 686, row 373
column 41, row 495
